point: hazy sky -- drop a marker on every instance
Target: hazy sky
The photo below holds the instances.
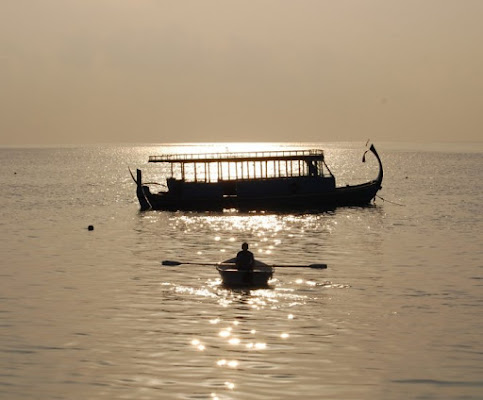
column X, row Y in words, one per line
column 88, row 71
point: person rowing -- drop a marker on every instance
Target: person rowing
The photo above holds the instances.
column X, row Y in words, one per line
column 245, row 259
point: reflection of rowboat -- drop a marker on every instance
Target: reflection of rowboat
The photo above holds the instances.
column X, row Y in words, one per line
column 256, row 278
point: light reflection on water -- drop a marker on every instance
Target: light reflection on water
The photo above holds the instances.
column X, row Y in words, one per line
column 252, row 357
column 247, row 341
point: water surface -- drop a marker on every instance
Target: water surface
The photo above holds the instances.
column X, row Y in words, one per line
column 95, row 315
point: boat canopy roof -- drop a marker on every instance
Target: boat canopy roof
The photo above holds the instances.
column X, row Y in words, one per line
column 303, row 155
column 214, row 167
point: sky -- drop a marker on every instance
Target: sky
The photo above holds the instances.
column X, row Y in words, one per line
column 159, row 71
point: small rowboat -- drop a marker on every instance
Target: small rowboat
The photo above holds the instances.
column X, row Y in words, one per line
column 257, row 277
column 232, row 277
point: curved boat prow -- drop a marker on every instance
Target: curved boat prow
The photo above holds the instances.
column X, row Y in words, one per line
column 381, row 171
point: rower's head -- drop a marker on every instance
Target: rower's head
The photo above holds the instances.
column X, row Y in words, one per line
column 245, row 246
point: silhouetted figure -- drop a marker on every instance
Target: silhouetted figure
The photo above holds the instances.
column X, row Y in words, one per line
column 312, row 168
column 245, row 259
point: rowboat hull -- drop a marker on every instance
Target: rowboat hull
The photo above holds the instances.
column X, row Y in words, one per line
column 233, row 278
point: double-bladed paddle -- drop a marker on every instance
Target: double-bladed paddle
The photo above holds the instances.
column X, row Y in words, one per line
column 176, row 263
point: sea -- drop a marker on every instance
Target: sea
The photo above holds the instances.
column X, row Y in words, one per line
column 93, row 314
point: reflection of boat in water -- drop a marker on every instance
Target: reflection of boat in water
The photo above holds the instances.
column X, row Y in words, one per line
column 234, row 278
column 253, row 181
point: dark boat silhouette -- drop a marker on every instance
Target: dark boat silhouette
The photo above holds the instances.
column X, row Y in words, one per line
column 232, row 277
column 253, row 181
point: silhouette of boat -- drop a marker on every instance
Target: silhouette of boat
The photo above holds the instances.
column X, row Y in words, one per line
column 253, row 181
column 232, row 277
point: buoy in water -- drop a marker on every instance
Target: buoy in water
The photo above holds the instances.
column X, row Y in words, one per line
column 90, row 227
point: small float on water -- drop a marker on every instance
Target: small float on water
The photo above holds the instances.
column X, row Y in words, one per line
column 253, row 181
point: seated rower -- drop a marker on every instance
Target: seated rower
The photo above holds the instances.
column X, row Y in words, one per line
column 245, row 259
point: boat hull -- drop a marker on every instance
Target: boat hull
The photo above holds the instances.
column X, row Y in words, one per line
column 259, row 277
column 359, row 195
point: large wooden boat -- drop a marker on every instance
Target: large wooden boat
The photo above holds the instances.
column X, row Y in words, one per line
column 254, row 181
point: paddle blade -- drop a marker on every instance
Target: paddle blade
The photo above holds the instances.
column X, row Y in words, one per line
column 318, row 266
column 171, row 263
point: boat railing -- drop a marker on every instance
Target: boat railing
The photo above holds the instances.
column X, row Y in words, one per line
column 238, row 156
